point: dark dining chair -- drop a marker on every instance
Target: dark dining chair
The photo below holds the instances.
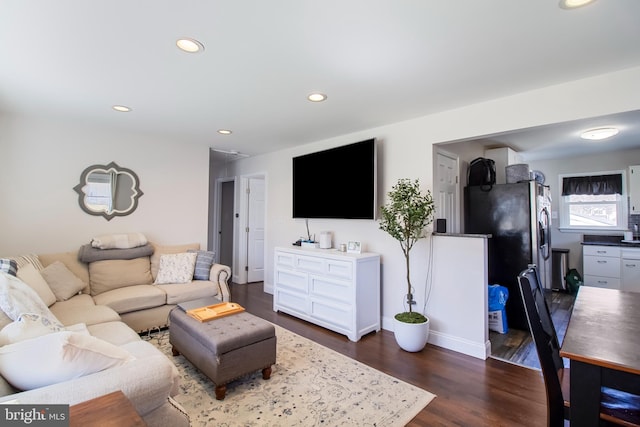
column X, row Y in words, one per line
column 616, row 408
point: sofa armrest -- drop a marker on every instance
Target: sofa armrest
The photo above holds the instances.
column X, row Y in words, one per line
column 220, row 274
column 147, row 382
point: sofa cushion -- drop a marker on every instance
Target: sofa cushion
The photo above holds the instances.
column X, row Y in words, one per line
column 9, row 265
column 70, row 259
column 5, row 388
column 28, row 326
column 204, row 261
column 176, row 268
column 16, row 298
column 63, row 283
column 69, row 355
column 116, row 333
column 70, row 313
column 159, row 250
column 117, row 273
column 177, row 293
column 32, row 277
column 132, row 298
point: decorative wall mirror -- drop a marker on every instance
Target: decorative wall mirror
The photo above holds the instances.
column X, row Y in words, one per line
column 108, row 190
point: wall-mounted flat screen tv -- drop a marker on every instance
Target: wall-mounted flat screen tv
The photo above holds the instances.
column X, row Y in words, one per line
column 336, row 183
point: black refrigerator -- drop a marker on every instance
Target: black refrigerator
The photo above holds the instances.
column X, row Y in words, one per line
column 517, row 216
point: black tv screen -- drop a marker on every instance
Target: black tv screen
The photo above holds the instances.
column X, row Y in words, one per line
column 336, row 183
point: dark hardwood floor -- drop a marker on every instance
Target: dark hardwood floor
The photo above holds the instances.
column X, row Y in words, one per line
column 516, row 346
column 470, row 391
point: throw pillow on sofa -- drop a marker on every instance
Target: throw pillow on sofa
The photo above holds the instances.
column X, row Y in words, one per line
column 9, row 265
column 26, row 326
column 32, row 277
column 62, row 281
column 159, row 250
column 176, row 268
column 57, row 357
column 16, row 298
column 204, row 261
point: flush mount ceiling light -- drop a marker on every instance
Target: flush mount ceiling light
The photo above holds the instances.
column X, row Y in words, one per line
column 224, row 132
column 190, row 45
column 572, row 4
column 121, row 108
column 317, row 97
column 597, row 134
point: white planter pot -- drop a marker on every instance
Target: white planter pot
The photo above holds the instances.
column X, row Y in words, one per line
column 411, row 336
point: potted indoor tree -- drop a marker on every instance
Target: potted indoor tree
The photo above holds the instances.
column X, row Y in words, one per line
column 404, row 216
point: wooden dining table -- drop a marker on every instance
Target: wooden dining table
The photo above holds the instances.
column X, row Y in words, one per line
column 602, row 343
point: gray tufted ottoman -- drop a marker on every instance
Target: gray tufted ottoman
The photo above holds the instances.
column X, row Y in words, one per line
column 224, row 349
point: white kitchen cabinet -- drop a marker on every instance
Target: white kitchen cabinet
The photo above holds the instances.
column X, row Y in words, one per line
column 630, row 269
column 336, row 290
column 634, row 189
column 601, row 266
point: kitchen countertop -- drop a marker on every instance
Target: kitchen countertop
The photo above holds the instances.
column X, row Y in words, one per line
column 597, row 240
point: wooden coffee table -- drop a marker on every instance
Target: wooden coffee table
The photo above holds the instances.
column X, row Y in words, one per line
column 110, row 410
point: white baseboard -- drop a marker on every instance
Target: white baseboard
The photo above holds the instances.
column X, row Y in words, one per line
column 480, row 350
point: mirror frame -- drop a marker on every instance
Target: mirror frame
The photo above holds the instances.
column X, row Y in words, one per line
column 108, row 215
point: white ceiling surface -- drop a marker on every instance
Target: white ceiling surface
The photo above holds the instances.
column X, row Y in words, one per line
column 379, row 62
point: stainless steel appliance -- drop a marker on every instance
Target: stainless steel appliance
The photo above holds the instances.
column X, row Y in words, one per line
column 517, row 216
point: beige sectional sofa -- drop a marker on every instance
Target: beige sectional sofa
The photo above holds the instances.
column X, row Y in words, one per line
column 127, row 287
column 101, row 304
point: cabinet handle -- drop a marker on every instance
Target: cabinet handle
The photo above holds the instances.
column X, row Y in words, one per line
column 630, row 265
column 604, row 282
column 601, row 262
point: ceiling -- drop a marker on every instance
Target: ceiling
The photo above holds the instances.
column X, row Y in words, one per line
column 379, row 62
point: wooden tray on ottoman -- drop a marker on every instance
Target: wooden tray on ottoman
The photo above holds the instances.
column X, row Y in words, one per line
column 215, row 311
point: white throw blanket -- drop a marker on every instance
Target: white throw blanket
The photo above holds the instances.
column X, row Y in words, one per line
column 119, row 241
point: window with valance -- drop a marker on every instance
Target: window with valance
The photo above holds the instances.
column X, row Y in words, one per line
column 595, row 201
column 592, row 184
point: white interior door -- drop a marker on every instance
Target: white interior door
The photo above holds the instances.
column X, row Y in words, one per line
column 255, row 230
column 447, row 193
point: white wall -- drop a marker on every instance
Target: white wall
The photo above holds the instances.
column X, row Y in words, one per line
column 406, row 151
column 43, row 160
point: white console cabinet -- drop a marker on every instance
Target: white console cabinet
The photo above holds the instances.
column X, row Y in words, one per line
column 336, row 290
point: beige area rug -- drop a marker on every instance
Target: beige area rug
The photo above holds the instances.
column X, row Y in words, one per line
column 310, row 385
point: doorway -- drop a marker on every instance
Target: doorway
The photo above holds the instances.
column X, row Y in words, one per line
column 225, row 228
column 447, row 189
column 255, row 229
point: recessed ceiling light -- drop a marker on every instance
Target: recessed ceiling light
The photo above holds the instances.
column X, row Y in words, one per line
column 121, row 108
column 599, row 133
column 317, row 97
column 224, row 132
column 572, row 4
column 190, row 45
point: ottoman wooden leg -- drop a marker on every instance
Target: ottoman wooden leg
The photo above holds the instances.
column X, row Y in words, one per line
column 266, row 373
column 221, row 390
column 174, row 351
